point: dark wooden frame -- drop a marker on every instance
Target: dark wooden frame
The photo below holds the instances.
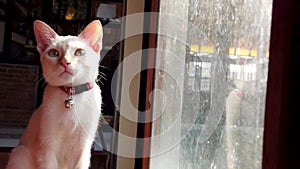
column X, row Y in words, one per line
column 281, row 144
column 147, row 84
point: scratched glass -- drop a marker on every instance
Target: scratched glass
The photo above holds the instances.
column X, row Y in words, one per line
column 213, row 101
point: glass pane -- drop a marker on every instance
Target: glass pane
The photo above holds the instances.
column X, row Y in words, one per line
column 210, row 84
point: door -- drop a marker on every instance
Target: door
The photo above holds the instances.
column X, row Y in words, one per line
column 218, row 98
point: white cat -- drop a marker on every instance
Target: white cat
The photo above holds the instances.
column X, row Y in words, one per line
column 61, row 131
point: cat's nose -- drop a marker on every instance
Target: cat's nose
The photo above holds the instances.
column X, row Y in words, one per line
column 65, row 63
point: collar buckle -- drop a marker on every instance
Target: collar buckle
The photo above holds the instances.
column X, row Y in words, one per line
column 73, row 90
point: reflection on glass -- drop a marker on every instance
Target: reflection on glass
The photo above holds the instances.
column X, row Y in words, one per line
column 214, row 105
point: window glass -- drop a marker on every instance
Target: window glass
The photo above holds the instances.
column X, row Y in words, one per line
column 210, row 84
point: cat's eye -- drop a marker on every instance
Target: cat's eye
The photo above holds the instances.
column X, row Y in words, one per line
column 53, row 53
column 80, row 52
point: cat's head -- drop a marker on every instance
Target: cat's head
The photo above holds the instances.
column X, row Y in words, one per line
column 69, row 60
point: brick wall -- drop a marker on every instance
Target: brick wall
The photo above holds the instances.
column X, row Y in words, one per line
column 18, row 93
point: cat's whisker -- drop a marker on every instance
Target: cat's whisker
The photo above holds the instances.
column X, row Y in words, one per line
column 99, row 78
column 41, row 81
column 100, row 82
column 102, row 76
column 101, row 66
column 40, row 78
column 102, row 73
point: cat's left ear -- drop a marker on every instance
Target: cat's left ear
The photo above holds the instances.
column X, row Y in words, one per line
column 93, row 34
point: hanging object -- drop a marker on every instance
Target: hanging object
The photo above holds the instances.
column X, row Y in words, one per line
column 71, row 11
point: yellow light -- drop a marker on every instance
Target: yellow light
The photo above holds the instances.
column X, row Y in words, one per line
column 232, row 51
column 207, row 49
column 242, row 52
column 194, row 48
column 70, row 13
column 202, row 49
column 253, row 52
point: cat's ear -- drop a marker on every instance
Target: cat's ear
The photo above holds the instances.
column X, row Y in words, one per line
column 44, row 35
column 93, row 34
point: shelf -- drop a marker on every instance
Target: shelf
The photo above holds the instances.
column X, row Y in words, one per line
column 30, row 47
column 18, row 38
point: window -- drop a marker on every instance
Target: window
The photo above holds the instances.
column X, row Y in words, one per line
column 210, row 84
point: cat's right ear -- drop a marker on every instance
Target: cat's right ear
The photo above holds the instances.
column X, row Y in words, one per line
column 44, row 35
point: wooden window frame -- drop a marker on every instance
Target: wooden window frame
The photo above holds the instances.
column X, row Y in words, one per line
column 281, row 144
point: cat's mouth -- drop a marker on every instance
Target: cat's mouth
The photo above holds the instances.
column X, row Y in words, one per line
column 67, row 72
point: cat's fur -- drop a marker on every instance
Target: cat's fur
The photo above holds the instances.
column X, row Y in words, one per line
column 58, row 137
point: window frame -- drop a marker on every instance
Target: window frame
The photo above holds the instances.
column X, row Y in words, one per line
column 147, row 84
column 279, row 143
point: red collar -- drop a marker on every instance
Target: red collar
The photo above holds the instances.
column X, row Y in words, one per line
column 77, row 89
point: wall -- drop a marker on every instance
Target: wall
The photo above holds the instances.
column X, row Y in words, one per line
column 18, row 93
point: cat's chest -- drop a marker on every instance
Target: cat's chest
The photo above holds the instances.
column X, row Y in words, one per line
column 86, row 104
column 83, row 116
